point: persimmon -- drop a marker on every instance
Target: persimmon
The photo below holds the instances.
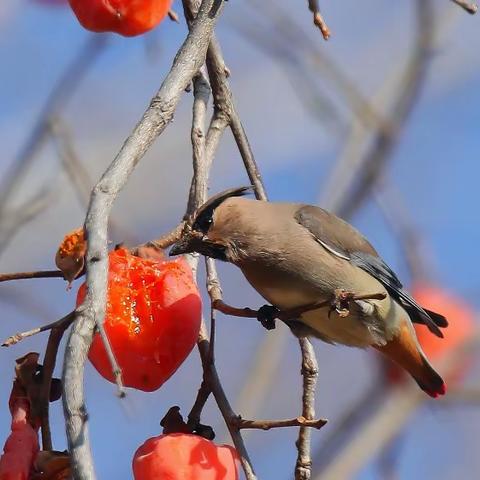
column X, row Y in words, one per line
column 461, row 324
column 183, row 456
column 126, row 17
column 152, row 319
column 21, row 446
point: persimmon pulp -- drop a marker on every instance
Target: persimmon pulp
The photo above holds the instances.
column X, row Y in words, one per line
column 152, row 319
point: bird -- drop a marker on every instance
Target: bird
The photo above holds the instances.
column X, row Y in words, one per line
column 296, row 255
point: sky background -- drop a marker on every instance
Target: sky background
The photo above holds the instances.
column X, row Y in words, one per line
column 435, row 167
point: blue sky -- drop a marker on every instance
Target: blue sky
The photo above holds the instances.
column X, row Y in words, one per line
column 435, row 166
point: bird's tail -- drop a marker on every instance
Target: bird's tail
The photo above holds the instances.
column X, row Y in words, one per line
column 406, row 352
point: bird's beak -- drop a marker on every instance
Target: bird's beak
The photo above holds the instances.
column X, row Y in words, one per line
column 181, row 247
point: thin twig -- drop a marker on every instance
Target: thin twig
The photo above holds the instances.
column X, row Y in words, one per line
column 213, row 282
column 288, row 314
column 469, row 7
column 158, row 115
column 294, row 45
column 54, row 339
column 7, row 277
column 318, row 19
column 318, row 423
column 203, row 393
column 224, row 103
column 224, row 405
column 303, row 468
column 173, row 16
column 63, row 323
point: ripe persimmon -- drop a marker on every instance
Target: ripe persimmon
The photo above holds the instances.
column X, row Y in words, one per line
column 183, row 456
column 126, row 17
column 152, row 319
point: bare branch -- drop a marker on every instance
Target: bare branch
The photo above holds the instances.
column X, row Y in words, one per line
column 61, row 324
column 7, row 277
column 224, row 105
column 288, row 314
column 303, row 468
column 49, row 362
column 159, row 114
column 469, row 7
column 203, row 393
column 224, row 405
column 318, row 19
column 173, row 15
column 241, row 423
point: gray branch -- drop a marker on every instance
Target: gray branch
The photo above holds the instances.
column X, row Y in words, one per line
column 158, row 115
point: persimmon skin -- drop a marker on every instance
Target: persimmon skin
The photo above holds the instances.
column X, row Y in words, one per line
column 21, row 446
column 459, row 314
column 152, row 319
column 126, row 17
column 183, row 456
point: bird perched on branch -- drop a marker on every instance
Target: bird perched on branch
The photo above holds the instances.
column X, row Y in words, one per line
column 296, row 255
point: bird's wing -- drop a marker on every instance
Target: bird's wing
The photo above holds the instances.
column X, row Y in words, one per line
column 341, row 239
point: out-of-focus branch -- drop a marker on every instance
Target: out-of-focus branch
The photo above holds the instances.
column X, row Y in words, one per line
column 61, row 93
column 373, row 163
column 12, row 220
column 293, row 45
column 77, row 173
column 390, row 418
column 358, row 412
column 158, row 115
column 391, row 203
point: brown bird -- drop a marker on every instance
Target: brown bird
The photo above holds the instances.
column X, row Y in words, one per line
column 296, row 255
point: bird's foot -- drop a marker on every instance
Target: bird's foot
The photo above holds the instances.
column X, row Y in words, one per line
column 266, row 316
column 341, row 302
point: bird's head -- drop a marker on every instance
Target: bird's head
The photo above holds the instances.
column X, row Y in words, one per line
column 204, row 230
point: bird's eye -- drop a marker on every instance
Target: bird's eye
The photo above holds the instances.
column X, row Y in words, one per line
column 203, row 224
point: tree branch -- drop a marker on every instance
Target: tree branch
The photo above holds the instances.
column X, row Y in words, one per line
column 318, row 20
column 159, row 114
column 284, row 315
column 303, row 468
column 7, row 277
column 241, row 423
column 469, row 7
column 49, row 362
column 63, row 323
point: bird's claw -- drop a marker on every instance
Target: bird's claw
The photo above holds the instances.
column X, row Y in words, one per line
column 341, row 301
column 266, row 316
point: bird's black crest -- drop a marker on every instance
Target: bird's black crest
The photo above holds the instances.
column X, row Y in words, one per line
column 203, row 216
